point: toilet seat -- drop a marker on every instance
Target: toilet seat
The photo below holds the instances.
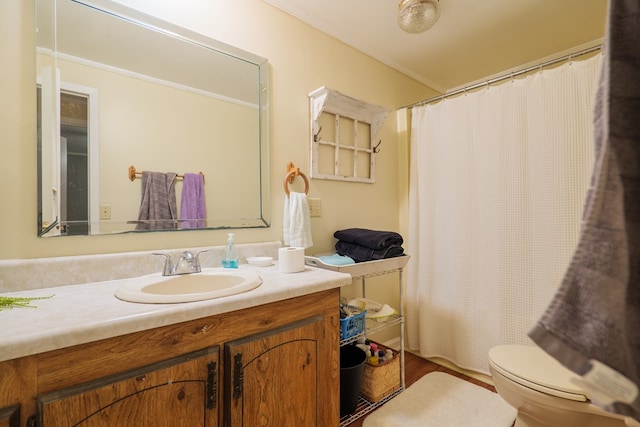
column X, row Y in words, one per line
column 533, row 368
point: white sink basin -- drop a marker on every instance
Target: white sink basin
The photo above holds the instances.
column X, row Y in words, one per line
column 208, row 284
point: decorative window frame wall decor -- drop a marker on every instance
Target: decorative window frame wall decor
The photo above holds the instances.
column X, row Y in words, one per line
column 344, row 132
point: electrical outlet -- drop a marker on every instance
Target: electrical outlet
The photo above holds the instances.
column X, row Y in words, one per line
column 105, row 211
column 315, row 207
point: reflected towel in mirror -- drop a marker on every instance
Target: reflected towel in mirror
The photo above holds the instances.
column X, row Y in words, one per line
column 158, row 205
column 193, row 211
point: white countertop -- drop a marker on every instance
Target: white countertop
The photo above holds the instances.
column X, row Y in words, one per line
column 78, row 314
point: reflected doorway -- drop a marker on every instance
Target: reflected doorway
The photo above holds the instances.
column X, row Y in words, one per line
column 74, row 164
column 67, row 203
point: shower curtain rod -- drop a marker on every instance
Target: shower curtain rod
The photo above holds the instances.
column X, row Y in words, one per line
column 506, row 76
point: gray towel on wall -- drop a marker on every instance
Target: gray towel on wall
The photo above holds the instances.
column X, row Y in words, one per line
column 158, row 205
column 596, row 311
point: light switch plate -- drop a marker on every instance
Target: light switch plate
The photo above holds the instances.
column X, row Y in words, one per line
column 315, row 207
column 105, row 211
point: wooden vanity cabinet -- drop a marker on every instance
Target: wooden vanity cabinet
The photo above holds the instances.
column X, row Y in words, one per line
column 289, row 370
column 17, row 389
column 180, row 392
column 273, row 378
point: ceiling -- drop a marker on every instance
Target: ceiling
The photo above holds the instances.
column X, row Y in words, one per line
column 472, row 41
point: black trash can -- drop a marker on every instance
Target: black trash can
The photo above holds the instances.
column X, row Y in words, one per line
column 352, row 361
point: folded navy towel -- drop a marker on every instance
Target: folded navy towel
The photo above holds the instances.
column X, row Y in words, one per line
column 362, row 253
column 371, row 239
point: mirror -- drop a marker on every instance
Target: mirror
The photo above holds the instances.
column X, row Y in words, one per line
column 121, row 93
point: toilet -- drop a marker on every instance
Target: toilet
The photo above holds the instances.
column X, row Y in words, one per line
column 539, row 387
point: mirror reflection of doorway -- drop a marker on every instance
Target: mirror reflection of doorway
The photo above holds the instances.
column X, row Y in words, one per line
column 73, row 208
column 74, row 166
column 67, row 201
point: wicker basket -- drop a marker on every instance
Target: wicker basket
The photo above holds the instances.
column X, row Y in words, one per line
column 379, row 381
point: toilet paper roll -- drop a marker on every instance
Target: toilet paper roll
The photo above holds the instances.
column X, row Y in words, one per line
column 291, row 260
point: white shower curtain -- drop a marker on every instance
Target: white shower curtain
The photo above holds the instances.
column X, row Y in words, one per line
column 498, row 182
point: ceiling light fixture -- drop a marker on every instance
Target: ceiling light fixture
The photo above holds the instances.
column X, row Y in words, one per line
column 417, row 16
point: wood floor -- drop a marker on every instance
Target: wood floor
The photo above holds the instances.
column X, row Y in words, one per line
column 416, row 367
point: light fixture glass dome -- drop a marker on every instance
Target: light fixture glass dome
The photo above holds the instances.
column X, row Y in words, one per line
column 417, row 16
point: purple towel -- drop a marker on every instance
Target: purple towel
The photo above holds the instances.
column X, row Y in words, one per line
column 594, row 319
column 158, row 204
column 193, row 211
column 371, row 239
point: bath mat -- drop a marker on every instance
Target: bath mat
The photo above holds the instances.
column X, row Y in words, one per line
column 442, row 400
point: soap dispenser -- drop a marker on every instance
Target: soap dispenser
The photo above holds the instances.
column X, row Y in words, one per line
column 230, row 260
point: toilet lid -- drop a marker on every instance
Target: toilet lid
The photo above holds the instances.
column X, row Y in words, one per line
column 533, row 368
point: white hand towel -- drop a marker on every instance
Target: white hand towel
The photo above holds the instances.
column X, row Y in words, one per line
column 297, row 221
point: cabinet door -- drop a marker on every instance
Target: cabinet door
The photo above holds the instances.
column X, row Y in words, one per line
column 177, row 392
column 271, row 379
column 10, row 417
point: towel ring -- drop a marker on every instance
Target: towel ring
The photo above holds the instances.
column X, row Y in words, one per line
column 291, row 176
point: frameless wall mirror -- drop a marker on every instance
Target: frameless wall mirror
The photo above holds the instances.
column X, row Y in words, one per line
column 119, row 89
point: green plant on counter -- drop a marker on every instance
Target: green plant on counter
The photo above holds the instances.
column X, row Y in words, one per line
column 11, row 302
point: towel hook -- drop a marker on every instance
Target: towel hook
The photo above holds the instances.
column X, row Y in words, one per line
column 375, row 148
column 316, row 136
column 292, row 172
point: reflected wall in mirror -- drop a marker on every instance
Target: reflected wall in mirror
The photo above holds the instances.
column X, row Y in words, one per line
column 118, row 88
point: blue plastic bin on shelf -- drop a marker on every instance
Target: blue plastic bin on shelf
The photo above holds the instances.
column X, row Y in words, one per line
column 352, row 325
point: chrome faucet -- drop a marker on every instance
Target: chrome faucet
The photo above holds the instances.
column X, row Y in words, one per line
column 187, row 263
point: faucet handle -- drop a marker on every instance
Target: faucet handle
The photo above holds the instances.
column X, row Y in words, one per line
column 168, row 264
column 187, row 256
column 197, row 260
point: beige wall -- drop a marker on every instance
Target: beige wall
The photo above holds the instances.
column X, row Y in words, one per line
column 301, row 60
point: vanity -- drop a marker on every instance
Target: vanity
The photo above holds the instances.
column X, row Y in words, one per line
column 268, row 356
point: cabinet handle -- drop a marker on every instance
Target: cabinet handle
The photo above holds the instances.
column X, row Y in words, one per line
column 238, row 376
column 212, row 385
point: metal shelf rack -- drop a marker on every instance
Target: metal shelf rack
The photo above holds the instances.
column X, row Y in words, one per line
column 363, row 271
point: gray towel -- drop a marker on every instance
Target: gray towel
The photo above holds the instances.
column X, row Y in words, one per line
column 596, row 313
column 158, row 205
